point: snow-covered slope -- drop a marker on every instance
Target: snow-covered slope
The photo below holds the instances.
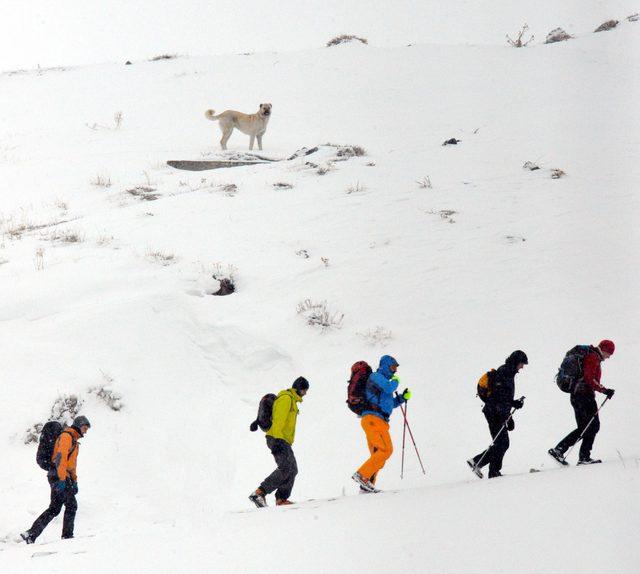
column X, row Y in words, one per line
column 489, row 259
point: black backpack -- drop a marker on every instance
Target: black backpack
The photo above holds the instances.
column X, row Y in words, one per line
column 48, row 437
column 265, row 412
column 356, row 390
column 570, row 371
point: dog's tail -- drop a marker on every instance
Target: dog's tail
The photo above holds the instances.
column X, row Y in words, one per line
column 210, row 115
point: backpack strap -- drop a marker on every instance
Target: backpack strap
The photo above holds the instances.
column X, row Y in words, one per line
column 74, row 441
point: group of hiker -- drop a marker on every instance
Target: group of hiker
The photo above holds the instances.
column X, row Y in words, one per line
column 373, row 396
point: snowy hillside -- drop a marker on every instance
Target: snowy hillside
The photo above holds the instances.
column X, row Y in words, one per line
column 448, row 257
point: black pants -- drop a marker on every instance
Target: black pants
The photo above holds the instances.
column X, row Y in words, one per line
column 66, row 498
column 493, row 455
column 585, row 407
column 281, row 480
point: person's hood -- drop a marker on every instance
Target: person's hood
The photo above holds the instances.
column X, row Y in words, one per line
column 294, row 394
column 386, row 362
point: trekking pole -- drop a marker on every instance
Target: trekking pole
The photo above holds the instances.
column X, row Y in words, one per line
column 585, row 428
column 406, row 423
column 404, row 434
column 477, row 465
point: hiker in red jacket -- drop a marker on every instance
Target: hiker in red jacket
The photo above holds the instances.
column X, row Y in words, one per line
column 583, row 401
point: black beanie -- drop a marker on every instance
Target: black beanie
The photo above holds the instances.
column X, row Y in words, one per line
column 516, row 358
column 300, row 384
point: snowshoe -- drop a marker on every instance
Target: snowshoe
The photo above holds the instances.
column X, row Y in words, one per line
column 474, row 468
column 558, row 456
column 258, row 498
column 364, row 483
column 583, row 461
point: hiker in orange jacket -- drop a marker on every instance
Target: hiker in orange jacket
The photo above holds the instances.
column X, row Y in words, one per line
column 63, row 481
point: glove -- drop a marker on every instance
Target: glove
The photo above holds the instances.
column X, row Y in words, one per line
column 75, row 488
column 395, row 379
column 609, row 393
column 511, row 424
column 60, row 486
column 517, row 404
column 406, row 394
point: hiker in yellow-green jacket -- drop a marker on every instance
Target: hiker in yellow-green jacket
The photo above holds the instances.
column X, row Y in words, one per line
column 279, row 440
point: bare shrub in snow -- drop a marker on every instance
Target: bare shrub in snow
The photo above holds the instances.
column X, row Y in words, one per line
column 357, row 188
column 425, row 182
column 350, row 151
column 101, row 181
column 325, row 261
column 518, row 43
column 530, row 166
column 557, row 173
column 161, row 57
column 61, row 204
column 608, row 25
column 39, row 259
column 14, row 230
column 445, row 214
column 325, row 168
column 226, row 277
column 303, row 253
column 64, row 409
column 282, row 185
column 32, row 434
column 143, row 193
column 104, row 240
column 515, row 239
column 64, row 236
column 557, row 35
column 117, row 122
column 345, row 38
column 318, row 315
column 105, row 394
column 161, row 257
column 378, row 337
column 229, row 189
column 633, row 18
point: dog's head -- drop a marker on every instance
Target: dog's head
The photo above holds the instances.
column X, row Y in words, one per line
column 265, row 110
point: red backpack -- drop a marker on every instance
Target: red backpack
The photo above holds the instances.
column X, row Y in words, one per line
column 356, row 396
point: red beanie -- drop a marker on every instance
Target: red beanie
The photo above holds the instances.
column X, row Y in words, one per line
column 607, row 346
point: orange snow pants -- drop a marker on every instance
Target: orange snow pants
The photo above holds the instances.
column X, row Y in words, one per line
column 379, row 442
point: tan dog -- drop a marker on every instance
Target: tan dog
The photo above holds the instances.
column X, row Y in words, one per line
column 254, row 125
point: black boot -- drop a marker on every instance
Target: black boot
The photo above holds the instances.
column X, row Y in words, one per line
column 588, row 461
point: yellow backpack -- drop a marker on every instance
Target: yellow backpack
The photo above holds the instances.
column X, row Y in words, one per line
column 485, row 385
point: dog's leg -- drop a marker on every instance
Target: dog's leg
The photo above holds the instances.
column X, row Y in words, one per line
column 226, row 134
column 251, row 140
column 259, row 138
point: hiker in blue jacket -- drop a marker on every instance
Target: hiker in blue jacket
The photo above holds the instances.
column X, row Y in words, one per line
column 375, row 420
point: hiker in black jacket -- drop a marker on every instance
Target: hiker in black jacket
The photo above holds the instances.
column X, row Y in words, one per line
column 496, row 410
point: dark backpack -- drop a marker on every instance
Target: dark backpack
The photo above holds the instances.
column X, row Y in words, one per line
column 356, row 391
column 265, row 413
column 486, row 385
column 48, row 437
column 570, row 371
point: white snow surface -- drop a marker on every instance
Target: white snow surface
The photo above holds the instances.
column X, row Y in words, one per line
column 490, row 259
